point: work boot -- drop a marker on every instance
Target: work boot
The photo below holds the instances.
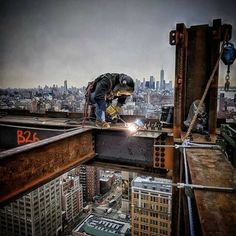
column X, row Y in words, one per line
column 102, row 124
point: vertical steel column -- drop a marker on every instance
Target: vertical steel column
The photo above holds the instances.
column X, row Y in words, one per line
column 197, row 51
column 179, row 37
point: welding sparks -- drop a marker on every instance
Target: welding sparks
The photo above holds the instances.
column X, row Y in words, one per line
column 132, row 127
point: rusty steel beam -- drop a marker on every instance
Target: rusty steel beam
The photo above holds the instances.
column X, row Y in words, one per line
column 216, row 210
column 26, row 167
column 22, row 135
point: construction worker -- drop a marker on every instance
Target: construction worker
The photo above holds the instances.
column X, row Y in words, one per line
column 106, row 88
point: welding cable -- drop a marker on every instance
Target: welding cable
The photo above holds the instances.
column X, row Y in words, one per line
column 206, row 89
column 190, row 208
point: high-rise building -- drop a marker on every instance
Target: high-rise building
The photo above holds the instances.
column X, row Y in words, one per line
column 72, row 196
column 98, row 225
column 147, row 84
column 127, row 178
column 107, row 179
column 37, row 213
column 151, row 206
column 65, row 86
column 162, row 81
column 157, row 85
column 89, row 178
column 152, row 82
column 137, row 84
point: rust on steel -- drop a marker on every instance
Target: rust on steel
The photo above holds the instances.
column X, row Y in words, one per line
column 180, row 39
column 25, row 167
column 216, row 210
column 197, row 51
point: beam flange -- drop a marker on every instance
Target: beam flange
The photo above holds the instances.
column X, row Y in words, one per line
column 26, row 167
column 216, row 210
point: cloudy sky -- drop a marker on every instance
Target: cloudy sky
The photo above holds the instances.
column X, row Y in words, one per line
column 49, row 41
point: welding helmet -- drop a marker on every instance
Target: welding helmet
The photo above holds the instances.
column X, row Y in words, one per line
column 125, row 86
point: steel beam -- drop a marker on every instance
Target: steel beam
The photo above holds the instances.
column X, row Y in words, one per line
column 121, row 147
column 26, row 167
column 22, row 135
column 216, row 209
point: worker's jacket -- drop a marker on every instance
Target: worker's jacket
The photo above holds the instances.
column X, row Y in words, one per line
column 103, row 86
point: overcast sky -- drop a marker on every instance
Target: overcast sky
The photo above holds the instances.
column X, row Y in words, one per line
column 47, row 42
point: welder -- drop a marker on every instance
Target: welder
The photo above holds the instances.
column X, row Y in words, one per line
column 103, row 90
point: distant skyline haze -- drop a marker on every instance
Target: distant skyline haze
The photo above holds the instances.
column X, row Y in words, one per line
column 47, row 42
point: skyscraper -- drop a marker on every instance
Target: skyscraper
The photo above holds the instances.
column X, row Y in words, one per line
column 65, row 86
column 157, row 85
column 127, row 178
column 152, row 82
column 72, row 196
column 151, row 206
column 144, row 83
column 89, row 178
column 162, row 82
column 37, row 213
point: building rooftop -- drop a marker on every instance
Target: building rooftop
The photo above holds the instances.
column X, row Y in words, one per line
column 150, row 183
column 96, row 225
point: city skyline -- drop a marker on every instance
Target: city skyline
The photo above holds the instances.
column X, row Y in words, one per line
column 53, row 41
column 66, row 84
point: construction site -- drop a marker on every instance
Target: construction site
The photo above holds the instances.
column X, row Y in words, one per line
column 199, row 161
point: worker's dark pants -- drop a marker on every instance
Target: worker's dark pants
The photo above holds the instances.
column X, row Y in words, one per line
column 100, row 106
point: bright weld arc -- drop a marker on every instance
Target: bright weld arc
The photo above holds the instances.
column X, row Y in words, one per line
column 132, row 127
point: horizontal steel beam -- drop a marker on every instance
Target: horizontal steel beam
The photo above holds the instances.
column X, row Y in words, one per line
column 121, row 147
column 26, row 167
column 37, row 157
column 216, row 209
column 21, row 135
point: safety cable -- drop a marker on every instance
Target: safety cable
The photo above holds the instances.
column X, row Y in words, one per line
column 206, row 89
column 204, row 187
column 177, row 146
column 190, row 145
column 186, row 145
column 189, row 201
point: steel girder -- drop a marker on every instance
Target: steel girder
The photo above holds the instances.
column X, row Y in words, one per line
column 216, row 209
column 26, row 167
